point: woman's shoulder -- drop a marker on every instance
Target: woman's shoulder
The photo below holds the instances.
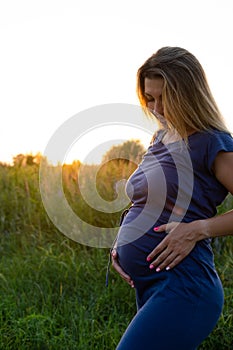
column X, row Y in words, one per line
column 219, row 133
column 206, row 145
column 222, row 139
column 212, row 136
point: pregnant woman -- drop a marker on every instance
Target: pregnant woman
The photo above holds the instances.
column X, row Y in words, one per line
column 163, row 245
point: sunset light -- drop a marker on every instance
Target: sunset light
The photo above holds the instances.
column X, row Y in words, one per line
column 60, row 59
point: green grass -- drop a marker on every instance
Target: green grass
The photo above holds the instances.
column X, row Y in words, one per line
column 52, row 290
column 53, row 296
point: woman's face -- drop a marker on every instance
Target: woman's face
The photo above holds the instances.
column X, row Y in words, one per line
column 153, row 95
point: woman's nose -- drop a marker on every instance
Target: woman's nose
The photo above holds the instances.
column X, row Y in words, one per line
column 158, row 107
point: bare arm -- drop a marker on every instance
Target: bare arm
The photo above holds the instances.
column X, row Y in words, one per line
column 222, row 225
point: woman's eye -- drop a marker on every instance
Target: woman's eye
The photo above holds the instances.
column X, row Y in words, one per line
column 149, row 98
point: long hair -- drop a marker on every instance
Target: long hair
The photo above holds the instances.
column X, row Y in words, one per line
column 187, row 100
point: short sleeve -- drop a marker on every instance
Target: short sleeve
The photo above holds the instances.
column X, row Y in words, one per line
column 218, row 141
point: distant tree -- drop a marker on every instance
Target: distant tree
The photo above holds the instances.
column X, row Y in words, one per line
column 117, row 164
column 21, row 160
column 131, row 150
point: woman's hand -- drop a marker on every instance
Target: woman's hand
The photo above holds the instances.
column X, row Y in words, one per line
column 175, row 246
column 117, row 267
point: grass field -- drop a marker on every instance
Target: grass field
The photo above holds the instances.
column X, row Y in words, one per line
column 53, row 293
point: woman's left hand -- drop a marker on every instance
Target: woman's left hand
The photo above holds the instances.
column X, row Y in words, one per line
column 179, row 242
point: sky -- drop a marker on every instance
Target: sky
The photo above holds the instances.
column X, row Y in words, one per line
column 59, row 58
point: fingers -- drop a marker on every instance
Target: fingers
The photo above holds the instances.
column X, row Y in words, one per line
column 117, row 267
column 173, row 248
column 158, row 250
column 166, row 262
column 166, row 227
column 160, row 228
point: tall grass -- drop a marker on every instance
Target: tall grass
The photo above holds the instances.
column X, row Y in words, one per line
column 53, row 293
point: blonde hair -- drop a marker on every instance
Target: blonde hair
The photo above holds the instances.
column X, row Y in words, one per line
column 187, row 100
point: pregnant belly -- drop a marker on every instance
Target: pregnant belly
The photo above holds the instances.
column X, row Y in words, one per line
column 132, row 256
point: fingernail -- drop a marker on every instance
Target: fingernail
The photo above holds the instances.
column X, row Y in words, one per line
column 167, row 268
column 156, row 228
column 148, row 259
column 158, row 269
column 151, row 266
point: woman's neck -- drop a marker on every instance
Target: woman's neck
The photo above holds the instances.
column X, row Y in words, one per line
column 170, row 136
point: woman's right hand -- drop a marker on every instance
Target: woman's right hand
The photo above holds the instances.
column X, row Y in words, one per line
column 117, row 267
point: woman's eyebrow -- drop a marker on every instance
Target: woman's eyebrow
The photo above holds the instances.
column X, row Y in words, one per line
column 148, row 95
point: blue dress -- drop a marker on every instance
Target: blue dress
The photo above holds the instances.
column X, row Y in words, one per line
column 177, row 309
